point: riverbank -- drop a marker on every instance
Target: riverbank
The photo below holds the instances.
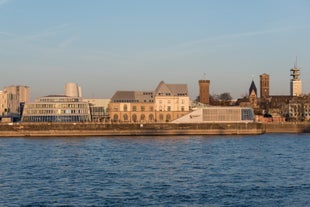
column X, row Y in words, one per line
column 101, row 129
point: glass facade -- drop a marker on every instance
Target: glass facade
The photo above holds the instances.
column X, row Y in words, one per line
column 227, row 114
column 57, row 109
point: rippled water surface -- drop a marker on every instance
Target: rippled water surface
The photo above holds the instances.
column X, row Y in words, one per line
column 266, row 170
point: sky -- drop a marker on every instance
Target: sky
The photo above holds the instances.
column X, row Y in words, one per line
column 110, row 45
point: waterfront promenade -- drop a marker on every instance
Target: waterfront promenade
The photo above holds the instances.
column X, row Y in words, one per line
column 102, row 129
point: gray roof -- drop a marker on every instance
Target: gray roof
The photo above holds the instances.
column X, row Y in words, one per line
column 171, row 89
column 133, row 96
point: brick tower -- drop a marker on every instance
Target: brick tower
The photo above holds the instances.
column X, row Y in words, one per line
column 204, row 94
column 264, row 85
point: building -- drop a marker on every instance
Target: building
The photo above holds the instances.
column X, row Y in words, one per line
column 295, row 84
column 132, row 106
column 171, row 101
column 57, row 108
column 264, row 85
column 253, row 95
column 167, row 102
column 216, row 114
column 98, row 109
column 204, row 91
column 299, row 109
column 73, row 90
column 12, row 99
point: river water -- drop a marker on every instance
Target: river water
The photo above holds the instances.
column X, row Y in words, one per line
column 264, row 170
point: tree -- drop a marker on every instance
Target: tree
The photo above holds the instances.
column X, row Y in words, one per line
column 225, row 97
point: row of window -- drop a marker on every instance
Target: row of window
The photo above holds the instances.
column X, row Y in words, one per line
column 57, row 111
column 133, row 101
column 58, row 105
column 61, row 99
column 142, row 117
column 82, row 118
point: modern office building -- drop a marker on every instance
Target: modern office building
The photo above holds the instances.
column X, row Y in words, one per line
column 57, row 108
column 12, row 99
column 98, row 109
column 264, row 85
column 204, row 91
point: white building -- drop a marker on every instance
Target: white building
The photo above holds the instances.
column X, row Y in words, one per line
column 295, row 84
column 218, row 114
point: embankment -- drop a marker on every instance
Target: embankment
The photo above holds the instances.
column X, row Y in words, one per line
column 101, row 129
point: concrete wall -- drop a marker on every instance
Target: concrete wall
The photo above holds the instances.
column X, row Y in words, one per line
column 99, row 129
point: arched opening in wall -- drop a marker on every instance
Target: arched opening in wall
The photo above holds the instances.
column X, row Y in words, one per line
column 168, row 117
column 125, row 107
column 142, row 117
column 125, row 117
column 115, row 117
column 151, row 118
column 134, row 118
column 161, row 117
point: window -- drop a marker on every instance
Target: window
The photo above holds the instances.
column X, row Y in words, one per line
column 125, row 107
column 161, row 117
column 168, row 108
column 134, row 108
column 142, row 108
column 168, row 117
column 151, row 117
column 125, row 117
column 142, row 118
column 115, row 117
column 134, row 117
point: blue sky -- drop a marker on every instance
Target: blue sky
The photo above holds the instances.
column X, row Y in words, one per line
column 134, row 44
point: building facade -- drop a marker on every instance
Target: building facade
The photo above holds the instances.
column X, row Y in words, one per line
column 132, row 106
column 171, row 101
column 204, row 91
column 98, row 109
column 264, row 85
column 299, row 109
column 166, row 103
column 57, row 108
column 12, row 99
column 215, row 114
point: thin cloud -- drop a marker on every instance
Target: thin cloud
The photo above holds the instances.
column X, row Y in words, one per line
column 49, row 32
column 234, row 36
column 67, row 42
column 186, row 48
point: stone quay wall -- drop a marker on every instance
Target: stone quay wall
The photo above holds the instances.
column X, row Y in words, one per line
column 101, row 129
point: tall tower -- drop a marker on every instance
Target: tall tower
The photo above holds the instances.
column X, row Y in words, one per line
column 264, row 85
column 204, row 94
column 296, row 88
